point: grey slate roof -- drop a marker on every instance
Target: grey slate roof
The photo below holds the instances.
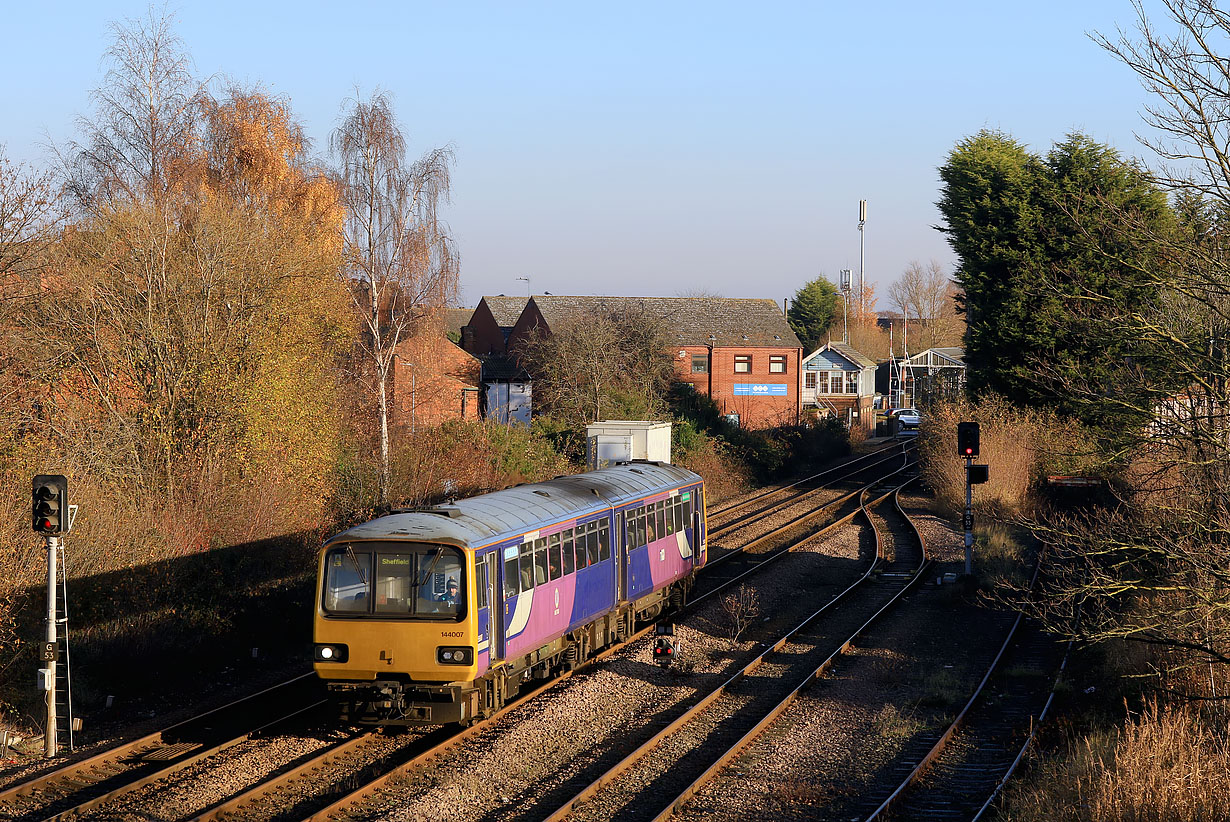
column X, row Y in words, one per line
column 505, row 514
column 506, row 310
column 852, row 354
column 720, row 321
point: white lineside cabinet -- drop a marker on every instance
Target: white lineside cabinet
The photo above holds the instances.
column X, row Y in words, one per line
column 611, row 441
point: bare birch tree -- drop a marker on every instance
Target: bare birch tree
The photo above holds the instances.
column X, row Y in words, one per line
column 924, row 295
column 401, row 262
column 142, row 138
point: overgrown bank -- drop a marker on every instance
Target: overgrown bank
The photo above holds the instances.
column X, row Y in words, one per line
column 1139, row 730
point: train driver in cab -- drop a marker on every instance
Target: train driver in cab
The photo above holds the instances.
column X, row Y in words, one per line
column 449, row 597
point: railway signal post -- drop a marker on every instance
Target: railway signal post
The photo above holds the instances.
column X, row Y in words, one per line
column 51, row 516
column 967, row 448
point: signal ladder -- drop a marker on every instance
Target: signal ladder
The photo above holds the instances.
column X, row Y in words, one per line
column 65, row 723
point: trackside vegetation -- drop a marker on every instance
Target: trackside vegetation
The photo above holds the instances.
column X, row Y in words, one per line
column 1095, row 292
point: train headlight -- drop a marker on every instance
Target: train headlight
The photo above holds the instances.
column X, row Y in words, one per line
column 455, row 656
column 330, row 653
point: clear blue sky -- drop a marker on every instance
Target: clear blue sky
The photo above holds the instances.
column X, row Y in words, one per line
column 643, row 148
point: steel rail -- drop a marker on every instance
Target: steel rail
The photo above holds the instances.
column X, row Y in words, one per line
column 1029, row 740
column 876, row 458
column 84, row 770
column 706, row 701
column 940, row 744
column 174, row 767
column 823, row 668
column 809, row 517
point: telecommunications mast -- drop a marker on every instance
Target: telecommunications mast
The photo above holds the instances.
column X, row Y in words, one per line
column 862, row 220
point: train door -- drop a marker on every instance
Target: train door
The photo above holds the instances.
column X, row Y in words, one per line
column 495, row 597
column 621, row 555
column 698, row 525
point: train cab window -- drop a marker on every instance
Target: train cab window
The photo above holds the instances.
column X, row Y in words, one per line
column 582, row 559
column 569, row 564
column 346, row 575
column 511, row 575
column 604, row 541
column 407, row 580
column 541, row 573
column 527, row 567
column 553, row 561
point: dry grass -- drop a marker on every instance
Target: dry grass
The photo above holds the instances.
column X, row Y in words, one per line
column 1161, row 766
column 1021, row 446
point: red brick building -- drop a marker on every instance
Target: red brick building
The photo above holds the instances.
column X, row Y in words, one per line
column 489, row 326
column 740, row 352
column 433, row 381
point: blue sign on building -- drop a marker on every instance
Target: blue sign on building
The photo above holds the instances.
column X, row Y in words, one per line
column 760, row 389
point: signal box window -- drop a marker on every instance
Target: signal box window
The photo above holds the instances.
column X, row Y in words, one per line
column 809, row 379
column 777, row 364
column 851, row 382
column 743, row 363
column 700, row 364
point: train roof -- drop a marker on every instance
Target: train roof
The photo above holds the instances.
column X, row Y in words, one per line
column 503, row 514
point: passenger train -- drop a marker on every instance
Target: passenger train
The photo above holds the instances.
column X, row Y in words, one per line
column 440, row 614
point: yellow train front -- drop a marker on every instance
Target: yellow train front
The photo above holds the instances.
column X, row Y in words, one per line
column 440, row 615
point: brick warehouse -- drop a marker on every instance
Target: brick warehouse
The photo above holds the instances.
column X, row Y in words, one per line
column 740, row 352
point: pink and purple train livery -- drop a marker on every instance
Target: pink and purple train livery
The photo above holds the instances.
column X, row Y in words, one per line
column 441, row 614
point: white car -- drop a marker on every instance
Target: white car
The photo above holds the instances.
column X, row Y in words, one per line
column 908, row 420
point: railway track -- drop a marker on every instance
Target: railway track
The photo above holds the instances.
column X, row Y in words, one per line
column 87, row 785
column 83, row 785
column 665, row 771
column 962, row 772
column 728, row 518
column 379, row 790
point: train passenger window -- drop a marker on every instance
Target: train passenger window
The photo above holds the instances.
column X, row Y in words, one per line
column 604, row 541
column 527, row 566
column 582, row 560
column 553, row 555
column 660, row 516
column 629, row 530
column 651, row 525
column 669, row 511
column 541, row 574
column 569, row 564
column 687, row 513
column 591, row 542
column 511, row 575
column 481, row 564
column 346, row 575
column 642, row 535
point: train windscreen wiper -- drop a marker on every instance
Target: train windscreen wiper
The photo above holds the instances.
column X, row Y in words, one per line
column 436, row 554
column 357, row 567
